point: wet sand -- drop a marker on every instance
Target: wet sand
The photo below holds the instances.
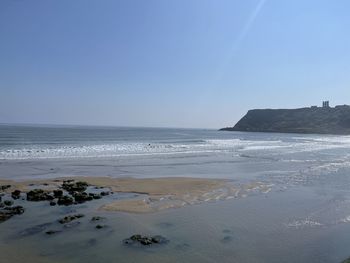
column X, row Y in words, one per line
column 153, row 194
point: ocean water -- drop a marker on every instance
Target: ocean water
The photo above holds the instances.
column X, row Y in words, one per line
column 28, row 142
column 304, row 218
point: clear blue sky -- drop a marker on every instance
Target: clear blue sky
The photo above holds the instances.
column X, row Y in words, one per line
column 176, row 63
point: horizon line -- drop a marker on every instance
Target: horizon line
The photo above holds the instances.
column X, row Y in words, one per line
column 98, row 125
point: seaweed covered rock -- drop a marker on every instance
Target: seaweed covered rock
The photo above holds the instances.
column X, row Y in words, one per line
column 95, row 196
column 145, row 240
column 8, row 202
column 52, row 232
column 39, row 195
column 72, row 187
column 7, row 212
column 4, row 187
column 81, row 197
column 57, row 193
column 65, row 200
column 70, row 218
column 16, row 194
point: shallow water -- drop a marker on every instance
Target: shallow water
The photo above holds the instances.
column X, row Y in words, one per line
column 305, row 218
column 258, row 228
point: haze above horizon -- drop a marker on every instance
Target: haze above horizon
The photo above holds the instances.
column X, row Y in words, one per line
column 191, row 64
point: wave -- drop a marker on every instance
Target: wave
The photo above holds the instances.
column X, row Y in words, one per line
column 275, row 149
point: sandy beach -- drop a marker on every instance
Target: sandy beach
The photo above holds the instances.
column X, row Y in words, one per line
column 152, row 194
column 205, row 197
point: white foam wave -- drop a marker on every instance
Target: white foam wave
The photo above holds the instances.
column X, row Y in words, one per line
column 256, row 148
column 304, row 223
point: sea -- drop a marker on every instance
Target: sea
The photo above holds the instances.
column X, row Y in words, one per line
column 304, row 217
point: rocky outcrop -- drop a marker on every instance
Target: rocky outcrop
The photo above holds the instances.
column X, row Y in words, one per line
column 325, row 120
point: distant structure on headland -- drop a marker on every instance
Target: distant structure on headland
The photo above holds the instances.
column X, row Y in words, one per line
column 325, row 104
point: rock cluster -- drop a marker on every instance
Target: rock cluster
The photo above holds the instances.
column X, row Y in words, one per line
column 7, row 212
column 4, row 187
column 70, row 218
column 75, row 194
column 71, row 192
column 65, row 200
column 39, row 195
column 70, row 186
column 145, row 240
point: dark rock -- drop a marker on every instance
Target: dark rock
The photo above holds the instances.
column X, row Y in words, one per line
column 145, row 240
column 16, row 194
column 39, row 195
column 4, row 187
column 65, row 200
column 57, row 193
column 53, row 203
column 97, row 218
column 159, row 239
column 100, row 226
column 7, row 212
column 95, row 196
column 16, row 210
column 104, row 193
column 4, row 216
column 52, row 232
column 8, row 202
column 81, row 197
column 72, row 187
column 70, row 218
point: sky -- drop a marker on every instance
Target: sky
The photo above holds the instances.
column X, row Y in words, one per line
column 164, row 63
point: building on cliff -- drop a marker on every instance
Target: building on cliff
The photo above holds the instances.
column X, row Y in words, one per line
column 325, row 104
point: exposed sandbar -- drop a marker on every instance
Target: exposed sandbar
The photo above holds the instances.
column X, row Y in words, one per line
column 154, row 194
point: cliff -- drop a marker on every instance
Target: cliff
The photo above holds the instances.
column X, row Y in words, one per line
column 325, row 120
